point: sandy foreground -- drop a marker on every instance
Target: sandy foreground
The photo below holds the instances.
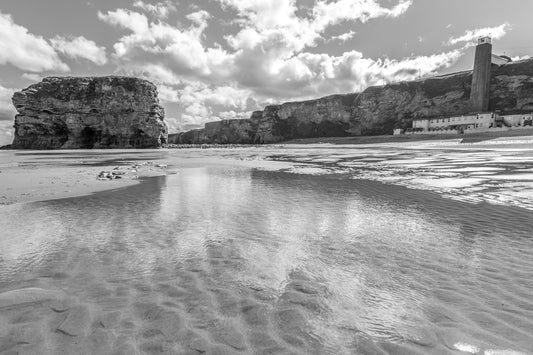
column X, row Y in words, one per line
column 28, row 176
column 35, row 176
column 78, row 305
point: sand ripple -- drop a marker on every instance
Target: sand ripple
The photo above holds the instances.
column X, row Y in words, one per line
column 230, row 260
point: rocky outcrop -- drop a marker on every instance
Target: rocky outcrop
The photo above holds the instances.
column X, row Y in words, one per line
column 378, row 109
column 219, row 132
column 324, row 117
column 230, row 131
column 89, row 112
column 195, row 136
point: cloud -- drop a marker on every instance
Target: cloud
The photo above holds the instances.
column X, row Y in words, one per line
column 226, row 96
column 31, row 77
column 169, row 48
column 6, row 132
column 167, row 93
column 26, row 51
column 176, row 124
column 7, row 115
column 266, row 61
column 127, row 19
column 328, row 13
column 520, row 57
column 269, row 23
column 200, row 100
column 232, row 115
column 199, row 18
column 197, row 113
column 314, row 75
column 160, row 10
column 80, row 47
column 494, row 32
column 343, row 37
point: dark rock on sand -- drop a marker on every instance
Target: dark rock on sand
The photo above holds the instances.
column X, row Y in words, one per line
column 89, row 112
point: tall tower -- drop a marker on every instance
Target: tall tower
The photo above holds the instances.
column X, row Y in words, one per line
column 479, row 94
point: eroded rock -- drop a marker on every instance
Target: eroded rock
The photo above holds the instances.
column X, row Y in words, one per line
column 89, row 112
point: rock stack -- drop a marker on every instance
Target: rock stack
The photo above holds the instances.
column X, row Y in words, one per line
column 89, row 112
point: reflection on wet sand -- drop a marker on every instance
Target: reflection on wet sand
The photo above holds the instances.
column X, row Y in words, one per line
column 222, row 259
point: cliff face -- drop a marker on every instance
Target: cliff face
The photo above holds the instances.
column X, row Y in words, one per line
column 511, row 87
column 379, row 109
column 89, row 112
column 324, row 117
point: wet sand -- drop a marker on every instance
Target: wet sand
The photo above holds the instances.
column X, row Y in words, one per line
column 29, row 176
column 226, row 260
column 278, row 250
column 41, row 175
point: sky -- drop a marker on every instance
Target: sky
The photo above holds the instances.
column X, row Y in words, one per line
column 222, row 59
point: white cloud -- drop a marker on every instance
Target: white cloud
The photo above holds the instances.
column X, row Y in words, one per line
column 343, row 37
column 80, row 47
column 6, row 132
column 127, row 19
column 315, row 75
column 197, row 113
column 26, row 51
column 494, row 32
column 32, row 77
column 328, row 13
column 167, row 93
column 174, row 124
column 159, row 44
column 232, row 115
column 199, row 101
column 267, row 61
column 520, row 57
column 227, row 96
column 160, row 10
column 200, row 19
column 7, row 115
column 275, row 24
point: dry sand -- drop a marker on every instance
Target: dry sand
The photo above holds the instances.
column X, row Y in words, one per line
column 35, row 176
column 28, row 176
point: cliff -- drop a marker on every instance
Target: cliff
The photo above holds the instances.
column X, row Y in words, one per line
column 324, row 117
column 377, row 110
column 89, row 112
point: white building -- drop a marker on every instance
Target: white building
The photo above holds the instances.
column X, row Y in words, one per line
column 481, row 122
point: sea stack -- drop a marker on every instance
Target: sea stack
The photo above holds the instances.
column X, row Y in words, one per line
column 89, row 112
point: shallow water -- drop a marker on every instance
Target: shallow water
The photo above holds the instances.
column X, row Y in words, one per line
column 224, row 259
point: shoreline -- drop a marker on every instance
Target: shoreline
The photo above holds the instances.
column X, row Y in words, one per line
column 30, row 176
column 465, row 138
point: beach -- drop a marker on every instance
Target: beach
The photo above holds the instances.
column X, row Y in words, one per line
column 416, row 248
